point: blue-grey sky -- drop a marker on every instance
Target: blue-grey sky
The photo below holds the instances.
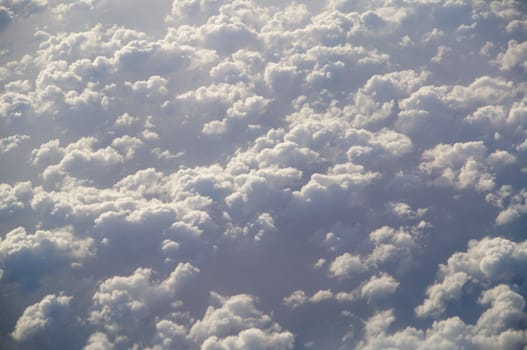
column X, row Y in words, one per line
column 208, row 174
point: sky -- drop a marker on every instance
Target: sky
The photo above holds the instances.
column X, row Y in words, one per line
column 215, row 174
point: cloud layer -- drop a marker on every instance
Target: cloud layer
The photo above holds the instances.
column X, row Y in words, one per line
column 263, row 175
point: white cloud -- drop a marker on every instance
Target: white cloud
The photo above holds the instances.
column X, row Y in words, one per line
column 402, row 209
column 299, row 297
column 296, row 299
column 9, row 143
column 80, row 160
column 379, row 287
column 122, row 302
column 37, row 318
column 514, row 56
column 169, row 335
column 27, row 257
column 516, row 208
column 98, row 341
column 345, row 265
column 460, row 165
column 252, row 338
column 496, row 326
column 303, row 158
column 48, row 153
column 490, row 260
column 396, row 246
column 15, row 197
column 236, row 323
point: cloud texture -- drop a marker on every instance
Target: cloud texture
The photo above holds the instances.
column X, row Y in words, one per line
column 243, row 174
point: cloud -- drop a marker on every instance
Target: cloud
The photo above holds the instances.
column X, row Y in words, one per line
column 11, row 142
column 504, row 311
column 490, row 260
column 252, row 338
column 396, row 247
column 379, row 287
column 169, row 334
column 238, row 174
column 515, row 209
column 25, row 258
column 15, row 197
column 299, row 297
column 345, row 265
column 514, row 56
column 235, row 323
column 98, row 341
column 37, row 318
column 460, row 165
column 122, row 302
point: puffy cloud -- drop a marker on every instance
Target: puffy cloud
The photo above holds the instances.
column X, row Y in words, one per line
column 514, row 56
column 11, row 142
column 442, row 106
column 324, row 154
column 511, row 205
column 236, row 323
column 299, row 297
column 193, row 7
column 98, row 341
column 496, row 326
column 48, row 153
column 14, row 105
column 396, row 245
column 145, row 90
column 169, row 335
column 337, row 188
column 247, row 111
column 460, row 165
column 15, row 197
column 122, row 302
column 402, row 209
column 379, row 287
column 37, row 318
column 516, row 208
column 26, row 257
column 345, row 265
column 296, row 299
column 506, row 309
column 80, row 160
column 490, row 260
column 252, row 338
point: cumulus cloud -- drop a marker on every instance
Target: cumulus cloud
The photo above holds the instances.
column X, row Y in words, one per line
column 379, row 287
column 454, row 333
column 514, row 56
column 15, row 197
column 512, row 205
column 299, row 297
column 490, row 260
column 123, row 301
column 26, row 257
column 40, row 316
column 98, row 341
column 226, row 174
column 252, row 338
column 236, row 323
column 463, row 164
column 11, row 142
column 345, row 265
